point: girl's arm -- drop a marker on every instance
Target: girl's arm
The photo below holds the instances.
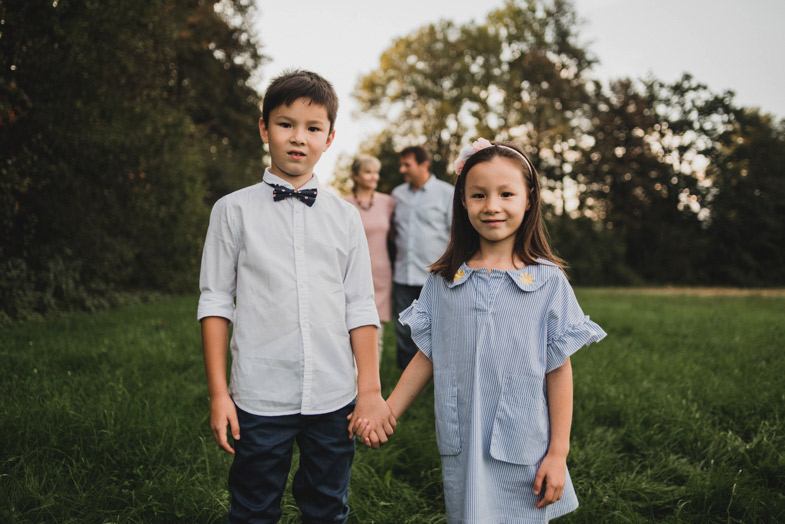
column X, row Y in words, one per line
column 553, row 470
column 413, row 380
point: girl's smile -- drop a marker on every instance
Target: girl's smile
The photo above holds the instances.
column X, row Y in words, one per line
column 496, row 200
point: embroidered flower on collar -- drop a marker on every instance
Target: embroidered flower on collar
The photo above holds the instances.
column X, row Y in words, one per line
column 527, row 278
column 458, row 275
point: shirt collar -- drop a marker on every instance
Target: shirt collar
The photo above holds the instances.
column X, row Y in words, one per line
column 529, row 278
column 427, row 183
column 270, row 178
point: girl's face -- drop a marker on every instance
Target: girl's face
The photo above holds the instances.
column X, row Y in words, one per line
column 496, row 199
column 368, row 177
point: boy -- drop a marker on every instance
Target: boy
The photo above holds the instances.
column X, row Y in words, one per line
column 296, row 261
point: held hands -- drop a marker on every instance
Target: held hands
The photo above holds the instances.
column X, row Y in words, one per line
column 371, row 420
column 552, row 474
column 223, row 413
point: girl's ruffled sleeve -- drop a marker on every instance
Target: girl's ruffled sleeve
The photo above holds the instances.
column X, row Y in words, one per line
column 568, row 328
column 418, row 318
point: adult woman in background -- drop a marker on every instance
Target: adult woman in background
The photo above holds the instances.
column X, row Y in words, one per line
column 376, row 211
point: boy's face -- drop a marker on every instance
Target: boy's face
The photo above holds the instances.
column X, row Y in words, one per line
column 297, row 136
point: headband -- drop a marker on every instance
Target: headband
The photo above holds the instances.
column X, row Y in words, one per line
column 479, row 145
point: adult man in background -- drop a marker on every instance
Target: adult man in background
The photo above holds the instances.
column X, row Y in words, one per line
column 422, row 219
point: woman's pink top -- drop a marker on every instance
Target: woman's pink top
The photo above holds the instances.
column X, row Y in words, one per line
column 376, row 221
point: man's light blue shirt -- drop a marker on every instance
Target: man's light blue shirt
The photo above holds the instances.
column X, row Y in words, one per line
column 422, row 228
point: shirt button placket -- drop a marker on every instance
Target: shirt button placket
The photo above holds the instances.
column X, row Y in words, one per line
column 411, row 233
column 303, row 303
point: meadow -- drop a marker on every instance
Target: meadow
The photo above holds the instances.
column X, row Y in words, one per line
column 679, row 417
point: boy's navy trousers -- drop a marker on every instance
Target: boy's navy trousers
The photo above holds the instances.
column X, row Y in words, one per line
column 263, row 457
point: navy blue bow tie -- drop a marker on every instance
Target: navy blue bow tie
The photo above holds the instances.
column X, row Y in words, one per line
column 306, row 196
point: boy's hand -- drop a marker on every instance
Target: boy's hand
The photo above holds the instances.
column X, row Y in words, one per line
column 222, row 413
column 552, row 473
column 371, row 420
column 361, row 428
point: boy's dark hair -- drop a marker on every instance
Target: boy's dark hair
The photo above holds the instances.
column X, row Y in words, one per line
column 419, row 152
column 531, row 239
column 294, row 84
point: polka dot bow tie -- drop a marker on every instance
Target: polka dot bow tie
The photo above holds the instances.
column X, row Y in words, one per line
column 306, row 196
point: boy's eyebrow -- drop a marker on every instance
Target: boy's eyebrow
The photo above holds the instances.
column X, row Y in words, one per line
column 308, row 122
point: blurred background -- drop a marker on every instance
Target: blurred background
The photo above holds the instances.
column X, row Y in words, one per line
column 657, row 128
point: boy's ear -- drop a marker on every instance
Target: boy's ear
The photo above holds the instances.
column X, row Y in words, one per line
column 263, row 131
column 330, row 139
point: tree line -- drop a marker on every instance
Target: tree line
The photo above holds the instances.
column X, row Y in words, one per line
column 122, row 122
column 649, row 182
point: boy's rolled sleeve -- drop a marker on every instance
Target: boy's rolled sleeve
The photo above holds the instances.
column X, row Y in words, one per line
column 358, row 280
column 215, row 305
column 218, row 277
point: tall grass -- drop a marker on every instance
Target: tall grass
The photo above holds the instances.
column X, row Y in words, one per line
column 679, row 417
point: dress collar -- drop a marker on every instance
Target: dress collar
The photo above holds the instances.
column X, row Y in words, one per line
column 529, row 278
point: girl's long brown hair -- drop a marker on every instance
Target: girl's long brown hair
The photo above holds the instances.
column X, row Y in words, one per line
column 531, row 239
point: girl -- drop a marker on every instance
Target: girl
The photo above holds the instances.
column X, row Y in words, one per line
column 376, row 211
column 496, row 324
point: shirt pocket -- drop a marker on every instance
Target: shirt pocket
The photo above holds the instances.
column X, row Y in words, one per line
column 520, row 425
column 448, row 431
column 432, row 214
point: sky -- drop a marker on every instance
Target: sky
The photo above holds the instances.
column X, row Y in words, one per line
column 726, row 44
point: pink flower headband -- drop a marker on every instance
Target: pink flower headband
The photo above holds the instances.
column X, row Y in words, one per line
column 479, row 145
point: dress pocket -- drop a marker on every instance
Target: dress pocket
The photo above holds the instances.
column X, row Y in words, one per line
column 448, row 431
column 520, row 427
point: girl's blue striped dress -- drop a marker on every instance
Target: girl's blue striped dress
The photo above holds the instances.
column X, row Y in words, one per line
column 492, row 338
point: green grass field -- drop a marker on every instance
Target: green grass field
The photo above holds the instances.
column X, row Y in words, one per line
column 679, row 417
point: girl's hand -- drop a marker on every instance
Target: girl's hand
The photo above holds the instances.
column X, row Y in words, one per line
column 357, row 426
column 371, row 420
column 551, row 474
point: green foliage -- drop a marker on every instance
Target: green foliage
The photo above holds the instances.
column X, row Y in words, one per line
column 594, row 253
column 748, row 202
column 520, row 74
column 678, row 418
column 684, row 187
column 116, row 120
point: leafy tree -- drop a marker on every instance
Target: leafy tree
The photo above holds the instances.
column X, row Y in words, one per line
column 639, row 175
column 425, row 80
column 115, row 117
column 746, row 225
column 518, row 77
column 648, row 181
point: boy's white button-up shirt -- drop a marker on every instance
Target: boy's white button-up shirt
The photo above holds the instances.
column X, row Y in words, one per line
column 294, row 280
